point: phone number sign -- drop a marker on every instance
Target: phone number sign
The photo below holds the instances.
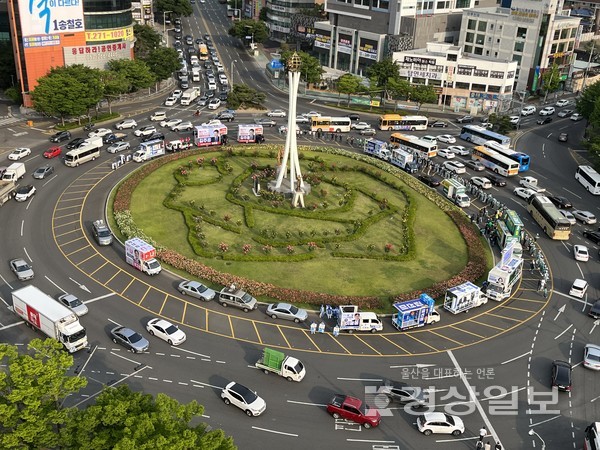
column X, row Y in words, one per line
column 109, row 35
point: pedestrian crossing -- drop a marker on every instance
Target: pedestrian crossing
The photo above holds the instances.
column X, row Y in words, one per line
column 9, row 120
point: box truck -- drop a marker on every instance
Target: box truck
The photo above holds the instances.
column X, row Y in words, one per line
column 463, row 297
column 403, row 159
column 55, row 320
column 149, row 150
column 415, row 313
column 285, row 366
column 7, row 191
column 455, row 191
column 189, row 96
column 14, row 172
column 350, row 319
column 378, row 149
column 142, row 256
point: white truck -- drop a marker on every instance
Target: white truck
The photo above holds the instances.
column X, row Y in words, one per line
column 7, row 191
column 142, row 256
column 273, row 361
column 189, row 96
column 350, row 319
column 455, row 191
column 378, row 149
column 531, row 183
column 149, row 150
column 14, row 172
column 463, row 297
column 502, row 278
column 415, row 313
column 55, row 320
column 403, row 159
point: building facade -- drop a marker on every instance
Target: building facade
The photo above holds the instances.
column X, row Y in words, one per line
column 280, row 13
column 529, row 32
column 63, row 33
column 477, row 84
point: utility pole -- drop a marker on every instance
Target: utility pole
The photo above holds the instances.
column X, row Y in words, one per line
column 585, row 74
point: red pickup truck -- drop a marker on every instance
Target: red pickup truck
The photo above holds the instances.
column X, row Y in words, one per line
column 351, row 408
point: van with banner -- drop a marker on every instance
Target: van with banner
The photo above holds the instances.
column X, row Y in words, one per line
column 250, row 133
column 209, row 135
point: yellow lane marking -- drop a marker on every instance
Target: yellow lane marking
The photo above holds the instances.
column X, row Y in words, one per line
column 77, row 230
column 130, row 283
column 503, row 317
column 307, row 333
column 467, row 331
column 88, row 258
column 446, row 337
column 231, row 327
column 518, row 309
column 529, row 300
column 69, row 207
column 184, row 311
column 78, row 250
column 113, row 277
column 144, row 296
column 283, row 336
column 491, row 326
column 163, row 304
column 371, row 347
column 91, row 274
column 393, row 343
column 421, row 342
column 62, row 217
column 337, row 341
column 257, row 333
column 73, row 240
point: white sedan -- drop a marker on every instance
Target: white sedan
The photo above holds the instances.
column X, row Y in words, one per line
column 459, row 150
column 183, row 126
column 170, row 122
column 360, row 126
column 524, row 193
column 302, row 119
column 100, row 132
column 166, row 331
column 455, row 166
column 446, row 138
column 170, row 101
column 581, row 253
column 446, row 153
column 562, row 103
column 19, row 153
column 584, row 216
column 277, row 113
column 311, row 114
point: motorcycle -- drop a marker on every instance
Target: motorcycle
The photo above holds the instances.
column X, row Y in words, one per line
column 89, row 127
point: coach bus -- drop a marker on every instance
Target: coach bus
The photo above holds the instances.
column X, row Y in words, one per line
column 87, row 152
column 391, row 122
column 589, row 179
column 414, row 145
column 548, row 217
column 479, row 135
column 331, row 124
column 496, row 162
column 521, row 158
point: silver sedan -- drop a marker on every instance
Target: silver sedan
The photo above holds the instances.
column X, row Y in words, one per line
column 197, row 290
column 287, row 312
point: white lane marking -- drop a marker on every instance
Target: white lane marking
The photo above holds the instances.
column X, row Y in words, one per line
column 116, row 323
column 55, row 285
column 418, row 366
column 474, row 398
column 6, row 327
column 370, row 441
column 493, row 397
column 275, row 431
column 516, row 357
column 206, row 384
column 27, row 254
column 543, row 421
column 193, row 353
column 359, row 379
column 568, row 328
column 49, row 180
column 306, row 403
column 8, row 284
column 594, row 399
column 22, row 224
column 580, row 271
column 460, row 439
column 130, row 360
column 99, row 298
column 572, row 193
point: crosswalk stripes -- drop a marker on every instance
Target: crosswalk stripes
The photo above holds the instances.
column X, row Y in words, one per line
column 9, row 120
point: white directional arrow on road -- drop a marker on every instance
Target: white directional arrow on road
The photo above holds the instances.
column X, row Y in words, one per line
column 81, row 286
column 418, row 366
column 596, row 323
column 560, row 310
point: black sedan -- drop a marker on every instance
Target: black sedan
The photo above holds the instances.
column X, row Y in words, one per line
column 75, row 143
column 593, row 236
column 544, row 120
column 131, row 340
column 561, row 375
column 154, row 137
column 560, row 202
column 496, row 180
column 429, row 181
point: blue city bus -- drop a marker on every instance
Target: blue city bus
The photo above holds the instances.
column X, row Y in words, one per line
column 480, row 135
column 520, row 157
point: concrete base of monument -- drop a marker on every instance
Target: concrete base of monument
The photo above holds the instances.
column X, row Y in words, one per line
column 285, row 188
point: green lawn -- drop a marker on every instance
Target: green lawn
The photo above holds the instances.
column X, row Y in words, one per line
column 342, row 197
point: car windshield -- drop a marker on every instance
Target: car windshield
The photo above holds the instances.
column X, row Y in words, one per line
column 74, row 302
column 293, row 310
column 23, row 268
column 154, row 264
column 172, row 329
column 135, row 337
column 298, row 367
column 449, row 419
column 593, row 356
column 23, row 190
column 202, row 288
column 247, row 298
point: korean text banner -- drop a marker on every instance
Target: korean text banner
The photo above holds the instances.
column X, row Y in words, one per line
column 42, row 17
column 248, row 133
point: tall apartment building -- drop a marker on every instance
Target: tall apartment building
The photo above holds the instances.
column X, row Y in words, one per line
column 529, row 32
column 279, row 15
column 55, row 34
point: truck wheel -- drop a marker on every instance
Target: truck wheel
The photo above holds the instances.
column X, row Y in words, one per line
column 289, row 379
column 367, row 425
column 274, row 316
column 226, row 401
column 249, row 413
column 335, row 415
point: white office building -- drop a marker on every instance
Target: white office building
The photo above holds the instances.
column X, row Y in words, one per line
column 477, row 84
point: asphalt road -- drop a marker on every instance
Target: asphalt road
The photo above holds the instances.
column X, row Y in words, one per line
column 482, row 363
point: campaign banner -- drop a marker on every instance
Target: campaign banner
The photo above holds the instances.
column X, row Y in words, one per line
column 114, row 34
column 42, row 17
column 248, row 133
column 207, row 135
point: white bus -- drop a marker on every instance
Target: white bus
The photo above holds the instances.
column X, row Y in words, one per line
column 85, row 153
column 414, row 145
column 390, row 122
column 331, row 124
column 496, row 162
column 589, row 178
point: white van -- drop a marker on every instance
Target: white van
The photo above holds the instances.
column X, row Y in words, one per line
column 194, row 60
column 528, row 110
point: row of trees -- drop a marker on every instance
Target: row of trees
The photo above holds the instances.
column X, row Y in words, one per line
column 588, row 106
column 35, row 384
column 74, row 90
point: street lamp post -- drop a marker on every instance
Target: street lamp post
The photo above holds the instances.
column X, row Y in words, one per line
column 231, row 72
column 532, row 433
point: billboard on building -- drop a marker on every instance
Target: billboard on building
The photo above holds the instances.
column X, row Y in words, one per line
column 97, row 55
column 44, row 17
column 322, row 39
column 113, row 34
column 344, row 43
column 367, row 49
